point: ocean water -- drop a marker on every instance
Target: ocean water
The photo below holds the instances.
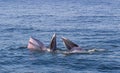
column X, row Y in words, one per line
column 89, row 23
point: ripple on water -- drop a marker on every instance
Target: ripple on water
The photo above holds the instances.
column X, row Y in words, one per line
column 93, row 24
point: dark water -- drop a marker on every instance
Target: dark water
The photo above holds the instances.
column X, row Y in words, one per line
column 89, row 23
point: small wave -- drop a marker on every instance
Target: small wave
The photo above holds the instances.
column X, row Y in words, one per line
column 96, row 50
column 108, row 68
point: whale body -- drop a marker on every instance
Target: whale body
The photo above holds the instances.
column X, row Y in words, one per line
column 71, row 46
column 35, row 44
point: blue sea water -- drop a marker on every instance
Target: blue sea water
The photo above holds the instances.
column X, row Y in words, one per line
column 89, row 23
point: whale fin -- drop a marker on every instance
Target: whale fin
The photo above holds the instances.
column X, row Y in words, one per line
column 35, row 44
column 69, row 44
column 53, row 43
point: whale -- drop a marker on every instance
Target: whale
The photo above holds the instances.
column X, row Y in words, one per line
column 36, row 45
column 71, row 46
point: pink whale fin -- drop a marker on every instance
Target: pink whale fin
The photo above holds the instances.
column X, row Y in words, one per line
column 35, row 44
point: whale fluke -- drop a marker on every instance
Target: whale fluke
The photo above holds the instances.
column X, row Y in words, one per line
column 53, row 45
column 35, row 44
column 70, row 45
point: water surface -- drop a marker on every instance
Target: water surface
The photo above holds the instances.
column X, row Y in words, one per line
column 89, row 23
